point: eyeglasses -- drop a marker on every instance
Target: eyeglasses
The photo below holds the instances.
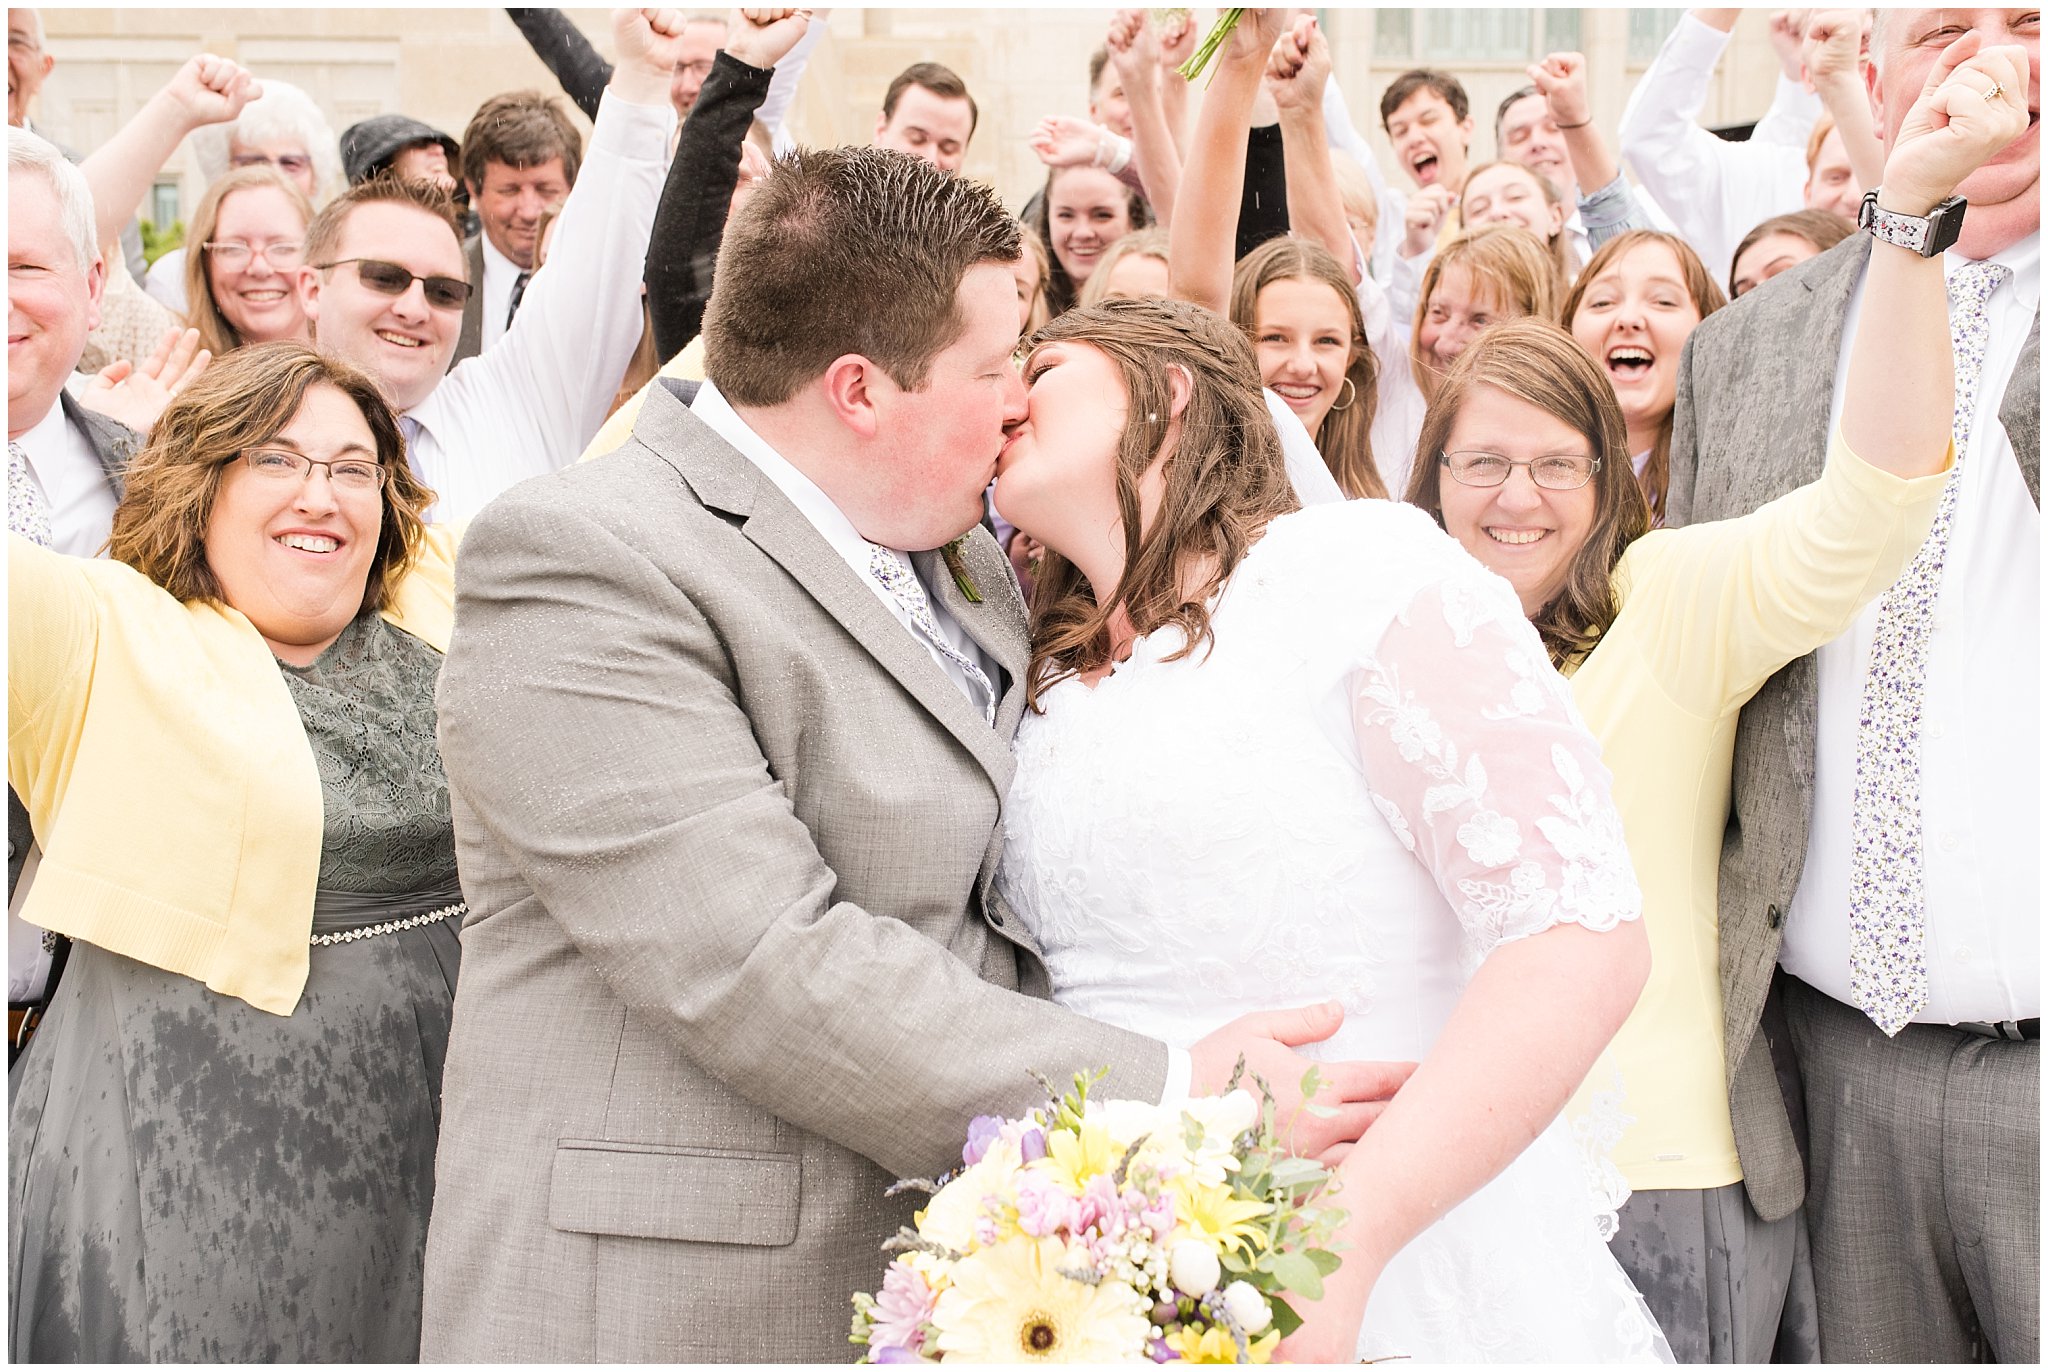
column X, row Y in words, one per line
column 700, row 70
column 1553, row 471
column 291, row 163
column 345, row 473
column 388, row 278
column 231, row 252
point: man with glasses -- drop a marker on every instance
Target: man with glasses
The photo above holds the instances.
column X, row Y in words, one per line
column 385, row 280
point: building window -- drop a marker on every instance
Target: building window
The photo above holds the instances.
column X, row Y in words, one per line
column 163, row 204
column 1647, row 30
column 1459, row 37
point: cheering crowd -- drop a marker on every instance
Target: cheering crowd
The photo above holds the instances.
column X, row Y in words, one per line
column 848, row 702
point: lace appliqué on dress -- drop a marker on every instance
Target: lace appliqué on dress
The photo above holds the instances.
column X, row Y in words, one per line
column 1519, row 750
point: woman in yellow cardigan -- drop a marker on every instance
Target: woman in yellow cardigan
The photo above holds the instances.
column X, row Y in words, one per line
column 222, row 1136
column 1666, row 634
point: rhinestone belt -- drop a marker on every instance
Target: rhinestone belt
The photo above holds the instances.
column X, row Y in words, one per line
column 390, row 926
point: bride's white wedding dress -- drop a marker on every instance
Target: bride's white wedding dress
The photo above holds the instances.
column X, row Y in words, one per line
column 1372, row 779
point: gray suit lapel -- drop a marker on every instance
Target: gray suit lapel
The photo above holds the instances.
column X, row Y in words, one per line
column 112, row 443
column 470, row 341
column 1811, row 379
column 724, row 480
column 2021, row 411
column 996, row 622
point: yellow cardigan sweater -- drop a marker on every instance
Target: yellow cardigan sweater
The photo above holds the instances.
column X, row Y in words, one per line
column 1708, row 613
column 166, row 773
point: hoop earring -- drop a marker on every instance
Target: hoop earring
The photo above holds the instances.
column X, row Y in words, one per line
column 1351, row 394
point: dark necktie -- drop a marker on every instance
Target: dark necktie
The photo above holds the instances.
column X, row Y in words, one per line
column 518, row 294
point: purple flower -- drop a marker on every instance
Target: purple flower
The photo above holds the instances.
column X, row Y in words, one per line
column 1160, row 1349
column 1032, row 1145
column 1042, row 1208
column 982, row 1131
column 902, row 1307
column 893, row 1355
column 1157, row 1216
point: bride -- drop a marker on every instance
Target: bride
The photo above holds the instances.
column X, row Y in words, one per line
column 1321, row 752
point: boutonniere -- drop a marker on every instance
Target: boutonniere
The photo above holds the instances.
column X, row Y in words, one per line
column 956, row 562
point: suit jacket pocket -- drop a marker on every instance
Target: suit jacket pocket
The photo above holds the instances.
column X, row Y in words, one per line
column 662, row 1191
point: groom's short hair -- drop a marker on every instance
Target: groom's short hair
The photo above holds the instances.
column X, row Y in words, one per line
column 846, row 250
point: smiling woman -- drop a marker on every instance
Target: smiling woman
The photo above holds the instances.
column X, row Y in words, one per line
column 1632, row 308
column 241, row 279
column 273, row 933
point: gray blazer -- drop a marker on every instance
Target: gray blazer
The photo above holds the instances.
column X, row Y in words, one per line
column 734, row 960
column 1754, row 390
column 470, row 341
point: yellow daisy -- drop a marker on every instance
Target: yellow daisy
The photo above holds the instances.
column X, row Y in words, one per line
column 1010, row 1304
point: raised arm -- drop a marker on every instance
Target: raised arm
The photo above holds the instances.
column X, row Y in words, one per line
column 1473, row 754
column 1204, row 233
column 1176, row 46
column 1833, row 53
column 1713, row 190
column 690, row 223
column 1135, row 51
column 1900, row 392
column 1724, row 605
column 206, row 90
column 560, row 362
column 561, row 46
column 1297, row 73
column 1606, row 203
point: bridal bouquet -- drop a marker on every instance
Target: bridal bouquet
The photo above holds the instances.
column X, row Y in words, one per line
column 1108, row 1231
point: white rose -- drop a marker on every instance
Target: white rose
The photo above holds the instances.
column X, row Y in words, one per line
column 1194, row 1268
column 1246, row 1307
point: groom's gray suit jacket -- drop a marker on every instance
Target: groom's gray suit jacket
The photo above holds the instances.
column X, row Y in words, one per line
column 1754, row 391
column 733, row 961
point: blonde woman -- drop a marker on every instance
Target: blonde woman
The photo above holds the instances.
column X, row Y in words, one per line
column 250, row 236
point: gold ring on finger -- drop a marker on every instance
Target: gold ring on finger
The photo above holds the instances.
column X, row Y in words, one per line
column 1995, row 91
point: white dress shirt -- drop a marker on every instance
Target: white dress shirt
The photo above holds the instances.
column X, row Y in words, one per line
column 1980, row 797
column 838, row 531
column 165, row 282
column 500, row 272
column 531, row 403
column 73, row 483
column 1714, row 191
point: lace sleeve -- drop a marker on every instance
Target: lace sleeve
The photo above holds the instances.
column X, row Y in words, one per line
column 1473, row 753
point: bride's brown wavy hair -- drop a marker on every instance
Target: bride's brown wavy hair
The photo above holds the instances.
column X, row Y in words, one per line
column 1224, row 480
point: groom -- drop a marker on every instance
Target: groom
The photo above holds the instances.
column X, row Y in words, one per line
column 727, row 741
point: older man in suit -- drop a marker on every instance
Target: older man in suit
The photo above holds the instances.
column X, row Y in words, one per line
column 64, row 462
column 1880, row 902
column 727, row 718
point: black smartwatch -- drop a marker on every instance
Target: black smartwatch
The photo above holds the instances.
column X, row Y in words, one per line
column 1929, row 237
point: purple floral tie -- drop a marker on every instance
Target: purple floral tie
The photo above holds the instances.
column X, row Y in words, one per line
column 28, row 513
column 899, row 579
column 1887, row 897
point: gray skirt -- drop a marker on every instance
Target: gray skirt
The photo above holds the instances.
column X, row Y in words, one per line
column 196, row 1180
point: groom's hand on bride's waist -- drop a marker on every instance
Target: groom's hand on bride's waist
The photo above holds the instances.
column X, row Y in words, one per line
column 1350, row 1095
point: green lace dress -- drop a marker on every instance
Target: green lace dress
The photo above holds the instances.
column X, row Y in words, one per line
column 193, row 1179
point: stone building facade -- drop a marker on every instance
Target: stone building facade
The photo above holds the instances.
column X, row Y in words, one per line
column 438, row 64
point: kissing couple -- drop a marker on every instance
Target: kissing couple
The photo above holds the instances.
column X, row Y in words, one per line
column 790, row 849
